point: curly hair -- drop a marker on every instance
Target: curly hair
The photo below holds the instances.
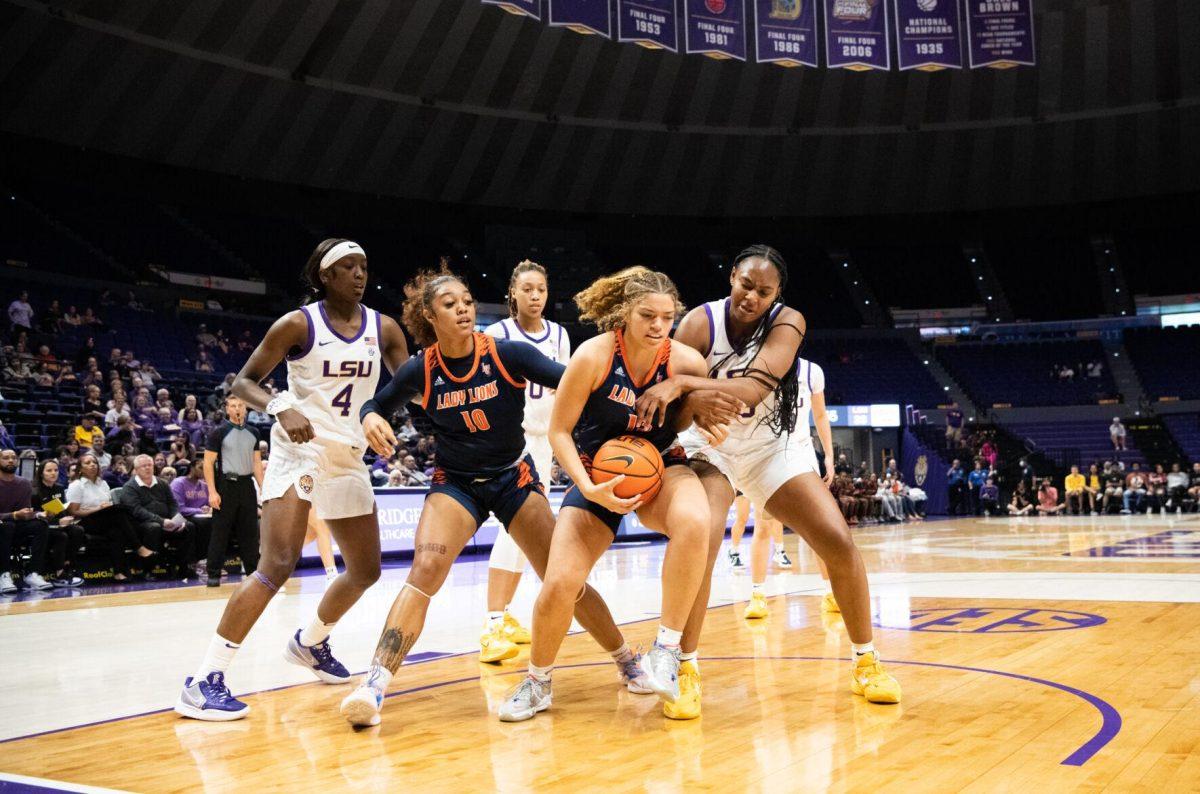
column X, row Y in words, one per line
column 418, row 297
column 524, row 266
column 310, row 277
column 609, row 299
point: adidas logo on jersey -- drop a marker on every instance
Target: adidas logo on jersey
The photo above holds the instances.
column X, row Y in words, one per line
column 438, row 381
column 620, row 371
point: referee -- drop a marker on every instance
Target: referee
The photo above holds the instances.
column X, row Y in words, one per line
column 231, row 458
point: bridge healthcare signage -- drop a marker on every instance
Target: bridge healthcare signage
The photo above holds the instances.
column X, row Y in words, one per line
column 928, row 34
column 785, row 32
column 650, row 23
column 1000, row 33
column 856, row 35
column 716, row 28
column 583, row 16
column 524, row 8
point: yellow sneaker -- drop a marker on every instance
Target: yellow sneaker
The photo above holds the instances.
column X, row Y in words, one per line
column 515, row 632
column 869, row 679
column 687, row 705
column 830, row 604
column 494, row 646
column 757, row 608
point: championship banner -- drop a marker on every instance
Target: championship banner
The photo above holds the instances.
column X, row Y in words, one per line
column 650, row 23
column 716, row 28
column 1000, row 33
column 785, row 32
column 856, row 35
column 927, row 35
column 524, row 8
column 582, row 16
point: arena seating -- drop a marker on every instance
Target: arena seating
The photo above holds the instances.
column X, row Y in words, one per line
column 863, row 371
column 1166, row 360
column 1021, row 373
column 1185, row 429
column 1067, row 443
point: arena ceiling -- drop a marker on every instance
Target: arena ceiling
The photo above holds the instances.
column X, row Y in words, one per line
column 453, row 101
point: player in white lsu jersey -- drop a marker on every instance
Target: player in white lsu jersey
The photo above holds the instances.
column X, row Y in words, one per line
column 335, row 348
column 752, row 341
column 528, row 291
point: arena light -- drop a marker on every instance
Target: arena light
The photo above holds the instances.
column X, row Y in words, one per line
column 1179, row 319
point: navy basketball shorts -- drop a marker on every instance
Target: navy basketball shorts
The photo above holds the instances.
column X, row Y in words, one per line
column 502, row 494
column 675, row 456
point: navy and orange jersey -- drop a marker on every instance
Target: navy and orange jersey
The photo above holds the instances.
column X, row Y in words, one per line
column 609, row 410
column 476, row 403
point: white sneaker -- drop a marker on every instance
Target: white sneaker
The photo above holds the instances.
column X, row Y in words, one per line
column 735, row 559
column 36, row 581
column 362, row 706
column 781, row 558
column 661, row 667
column 525, row 700
column 6, row 583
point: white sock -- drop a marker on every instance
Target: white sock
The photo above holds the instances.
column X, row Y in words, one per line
column 668, row 638
column 378, row 678
column 756, row 587
column 331, row 571
column 316, row 633
column 623, row 654
column 541, row 673
column 690, row 656
column 217, row 658
column 494, row 619
column 862, row 650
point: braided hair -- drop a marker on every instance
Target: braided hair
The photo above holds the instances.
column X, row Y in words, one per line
column 782, row 416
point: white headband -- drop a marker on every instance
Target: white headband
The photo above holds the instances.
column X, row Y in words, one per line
column 344, row 248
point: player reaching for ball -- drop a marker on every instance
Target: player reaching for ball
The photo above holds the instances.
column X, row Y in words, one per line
column 635, row 310
column 751, row 342
column 472, row 387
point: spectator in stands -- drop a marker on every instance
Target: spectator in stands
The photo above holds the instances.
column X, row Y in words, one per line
column 1114, row 488
column 222, row 341
column 149, row 374
column 168, row 474
column 189, row 403
column 1135, row 490
column 413, row 476
column 192, row 424
column 558, row 476
column 1117, row 432
column 989, row 453
column 191, row 494
column 153, row 510
column 181, row 452
column 976, row 479
column 51, row 322
column 19, row 526
column 843, row 465
column 1093, row 488
column 1156, row 489
column 1048, row 499
column 71, row 317
column 204, row 338
column 1020, row 504
column 20, row 314
column 41, row 377
column 131, row 302
column 6, row 439
column 17, row 369
column 86, row 431
column 102, row 457
column 66, row 376
column 956, row 486
column 245, row 342
column 1194, row 487
column 117, row 473
column 162, row 399
column 47, row 359
column 231, row 459
column 989, row 497
column 1095, row 369
column 65, row 537
column 954, row 426
column 1073, row 489
column 890, row 508
column 122, row 433
column 90, row 318
column 225, row 386
column 119, row 408
column 1177, row 486
column 204, row 362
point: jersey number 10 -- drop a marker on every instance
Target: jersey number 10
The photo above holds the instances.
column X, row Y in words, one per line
column 476, row 420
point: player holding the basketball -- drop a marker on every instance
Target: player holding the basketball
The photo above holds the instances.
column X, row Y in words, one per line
column 751, row 342
column 527, row 296
column 635, row 310
column 472, row 386
column 334, row 347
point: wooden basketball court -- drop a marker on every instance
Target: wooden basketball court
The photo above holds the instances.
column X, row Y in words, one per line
column 1037, row 655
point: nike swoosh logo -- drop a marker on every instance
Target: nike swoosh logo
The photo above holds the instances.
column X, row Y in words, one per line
column 227, row 645
column 322, row 344
column 627, row 458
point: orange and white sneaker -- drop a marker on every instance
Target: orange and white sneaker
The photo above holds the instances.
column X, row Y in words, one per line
column 829, row 604
column 515, row 632
column 869, row 679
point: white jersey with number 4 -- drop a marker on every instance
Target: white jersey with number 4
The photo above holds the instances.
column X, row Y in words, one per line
column 332, row 376
column 811, row 379
column 555, row 345
column 748, row 431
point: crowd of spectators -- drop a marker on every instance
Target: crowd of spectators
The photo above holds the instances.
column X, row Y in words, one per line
column 1078, row 370
column 867, row 498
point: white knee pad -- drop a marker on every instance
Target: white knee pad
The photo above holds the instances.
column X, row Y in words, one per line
column 506, row 554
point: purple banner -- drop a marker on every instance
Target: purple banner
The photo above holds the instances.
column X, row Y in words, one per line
column 785, row 32
column 524, row 8
column 856, row 35
column 583, row 16
column 650, row 23
column 716, row 28
column 1000, row 33
column 928, row 35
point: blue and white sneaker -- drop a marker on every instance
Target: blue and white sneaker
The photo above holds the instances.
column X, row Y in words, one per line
column 362, row 706
column 634, row 677
column 661, row 666
column 318, row 658
column 210, row 700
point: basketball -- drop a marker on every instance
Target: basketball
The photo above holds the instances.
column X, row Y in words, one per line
column 634, row 457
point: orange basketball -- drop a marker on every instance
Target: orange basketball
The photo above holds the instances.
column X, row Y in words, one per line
column 634, row 457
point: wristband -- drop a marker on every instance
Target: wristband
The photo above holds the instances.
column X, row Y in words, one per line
column 281, row 402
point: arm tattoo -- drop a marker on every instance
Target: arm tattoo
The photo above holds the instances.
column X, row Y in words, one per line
column 393, row 646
